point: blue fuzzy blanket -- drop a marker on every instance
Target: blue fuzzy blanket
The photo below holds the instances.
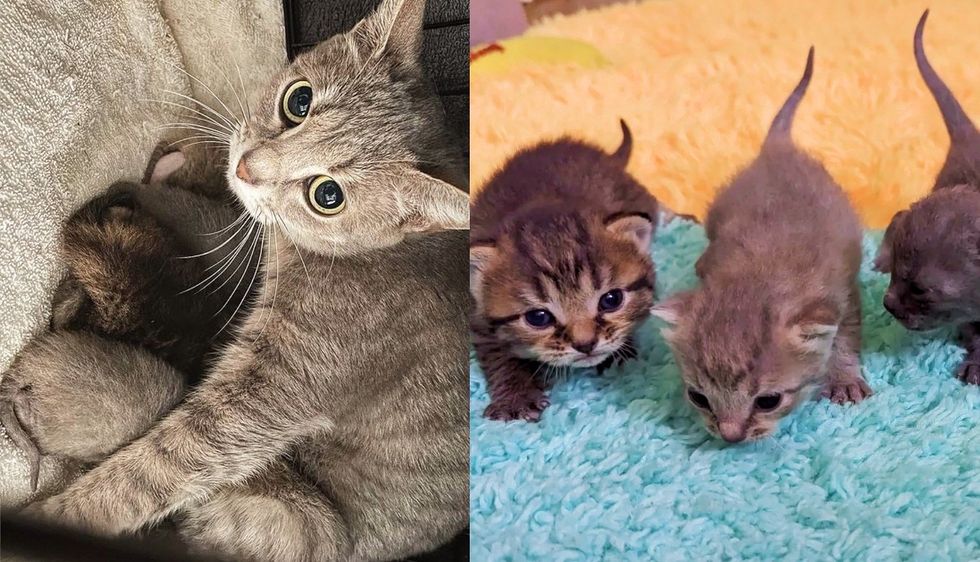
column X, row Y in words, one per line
column 620, row 467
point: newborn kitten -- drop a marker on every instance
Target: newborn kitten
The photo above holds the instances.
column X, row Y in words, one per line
column 560, row 269
column 778, row 309
column 80, row 396
column 932, row 250
column 334, row 425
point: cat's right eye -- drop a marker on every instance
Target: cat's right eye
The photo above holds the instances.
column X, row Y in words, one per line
column 296, row 102
column 539, row 318
column 326, row 196
column 698, row 399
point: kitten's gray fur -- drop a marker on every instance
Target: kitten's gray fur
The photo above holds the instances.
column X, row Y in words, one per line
column 778, row 310
column 334, row 426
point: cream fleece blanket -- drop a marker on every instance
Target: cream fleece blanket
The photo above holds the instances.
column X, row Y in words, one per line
column 74, row 77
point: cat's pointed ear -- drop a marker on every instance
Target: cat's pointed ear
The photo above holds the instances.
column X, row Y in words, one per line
column 481, row 255
column 636, row 228
column 431, row 204
column 395, row 28
column 814, row 329
column 673, row 308
column 883, row 261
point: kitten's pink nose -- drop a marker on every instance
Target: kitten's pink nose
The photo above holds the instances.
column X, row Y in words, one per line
column 733, row 432
column 585, row 347
column 241, row 171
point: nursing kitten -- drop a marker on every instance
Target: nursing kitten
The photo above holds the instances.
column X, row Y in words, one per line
column 334, row 425
column 79, row 396
column 560, row 269
column 932, row 250
column 778, row 309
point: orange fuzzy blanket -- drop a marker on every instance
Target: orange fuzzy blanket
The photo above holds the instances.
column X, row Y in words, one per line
column 699, row 81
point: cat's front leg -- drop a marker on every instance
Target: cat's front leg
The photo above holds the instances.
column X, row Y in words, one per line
column 515, row 391
column 233, row 425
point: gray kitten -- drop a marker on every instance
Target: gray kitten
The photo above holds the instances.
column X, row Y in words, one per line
column 932, row 250
column 352, row 363
column 778, row 311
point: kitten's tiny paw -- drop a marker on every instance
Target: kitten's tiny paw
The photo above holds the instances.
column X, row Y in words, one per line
column 521, row 407
column 969, row 372
column 847, row 389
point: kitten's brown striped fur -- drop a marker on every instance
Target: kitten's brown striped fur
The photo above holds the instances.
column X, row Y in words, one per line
column 561, row 225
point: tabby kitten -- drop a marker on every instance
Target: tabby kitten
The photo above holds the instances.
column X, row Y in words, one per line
column 560, row 269
column 334, row 425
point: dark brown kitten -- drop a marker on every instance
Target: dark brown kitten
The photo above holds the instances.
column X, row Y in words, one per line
column 560, row 269
column 778, row 311
column 932, row 250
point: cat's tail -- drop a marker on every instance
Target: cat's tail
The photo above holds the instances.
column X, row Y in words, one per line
column 957, row 123
column 622, row 154
column 782, row 124
column 23, row 441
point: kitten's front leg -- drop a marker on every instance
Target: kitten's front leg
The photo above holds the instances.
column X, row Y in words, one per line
column 515, row 392
column 969, row 369
column 234, row 424
column 844, row 380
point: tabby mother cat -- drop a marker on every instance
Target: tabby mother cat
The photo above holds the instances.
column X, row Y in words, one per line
column 334, row 425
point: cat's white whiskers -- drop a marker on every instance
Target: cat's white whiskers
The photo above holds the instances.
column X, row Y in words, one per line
column 199, row 137
column 248, row 290
column 233, row 90
column 223, row 125
column 240, row 218
column 265, row 289
column 216, row 248
column 206, row 87
column 299, row 252
column 248, row 109
column 241, row 264
column 199, row 127
column 229, row 122
column 246, row 261
column 204, row 142
column 227, row 259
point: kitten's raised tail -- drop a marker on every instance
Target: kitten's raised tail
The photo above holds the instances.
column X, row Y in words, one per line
column 622, row 154
column 23, row 441
column 782, row 124
column 957, row 123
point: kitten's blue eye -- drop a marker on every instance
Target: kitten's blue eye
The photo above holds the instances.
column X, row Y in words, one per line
column 611, row 300
column 539, row 318
column 326, row 196
column 296, row 101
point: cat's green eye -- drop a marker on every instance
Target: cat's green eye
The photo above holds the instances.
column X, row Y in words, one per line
column 296, row 101
column 326, row 196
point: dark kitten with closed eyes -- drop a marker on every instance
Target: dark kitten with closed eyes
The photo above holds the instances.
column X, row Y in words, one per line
column 560, row 268
column 932, row 250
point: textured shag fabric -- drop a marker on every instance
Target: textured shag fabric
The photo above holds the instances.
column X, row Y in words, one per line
column 620, row 467
column 699, row 80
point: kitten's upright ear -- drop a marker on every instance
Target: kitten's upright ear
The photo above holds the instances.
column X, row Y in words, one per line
column 481, row 255
column 636, row 228
column 813, row 330
column 671, row 310
column 395, row 28
column 430, row 204
column 883, row 261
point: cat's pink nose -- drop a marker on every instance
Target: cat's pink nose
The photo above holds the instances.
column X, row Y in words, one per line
column 241, row 171
column 733, row 432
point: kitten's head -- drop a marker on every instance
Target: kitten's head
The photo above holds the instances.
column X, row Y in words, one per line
column 565, row 289
column 932, row 252
column 334, row 151
column 745, row 360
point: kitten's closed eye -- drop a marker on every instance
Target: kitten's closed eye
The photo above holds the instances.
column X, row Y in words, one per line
column 296, row 102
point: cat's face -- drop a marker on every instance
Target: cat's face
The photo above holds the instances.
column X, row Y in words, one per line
column 746, row 365
column 330, row 154
column 565, row 291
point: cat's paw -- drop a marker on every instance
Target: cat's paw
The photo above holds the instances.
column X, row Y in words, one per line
column 527, row 406
column 845, row 388
column 969, row 371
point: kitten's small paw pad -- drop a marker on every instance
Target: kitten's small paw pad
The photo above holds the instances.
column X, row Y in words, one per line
column 969, row 372
column 528, row 408
column 850, row 389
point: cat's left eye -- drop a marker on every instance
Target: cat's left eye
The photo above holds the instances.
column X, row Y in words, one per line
column 326, row 196
column 768, row 402
column 611, row 300
column 296, row 102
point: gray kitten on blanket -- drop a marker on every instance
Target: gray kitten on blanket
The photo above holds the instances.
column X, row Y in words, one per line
column 334, row 425
column 778, row 310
